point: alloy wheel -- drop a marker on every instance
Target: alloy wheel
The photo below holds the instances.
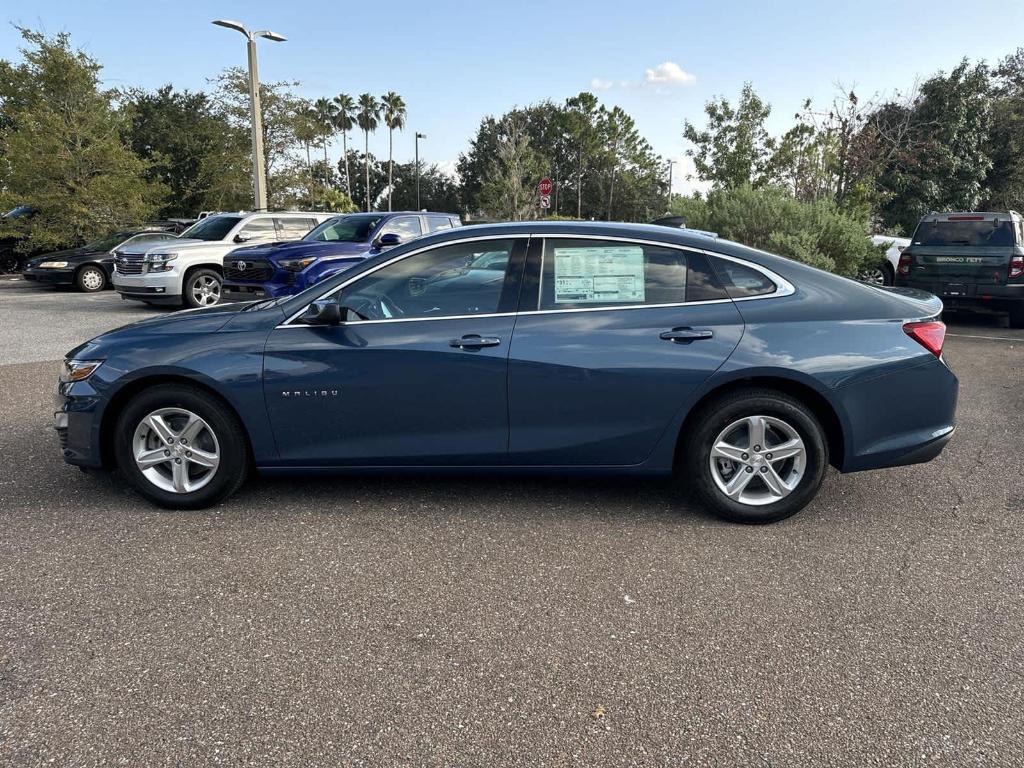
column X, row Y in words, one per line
column 758, row 460
column 176, row 450
column 206, row 290
column 874, row 276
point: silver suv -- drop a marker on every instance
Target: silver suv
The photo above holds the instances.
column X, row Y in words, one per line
column 189, row 271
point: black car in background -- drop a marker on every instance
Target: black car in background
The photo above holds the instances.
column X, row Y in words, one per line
column 971, row 260
column 88, row 267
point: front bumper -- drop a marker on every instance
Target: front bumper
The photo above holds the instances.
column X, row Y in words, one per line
column 76, row 419
column 237, row 291
column 158, row 287
column 64, row 276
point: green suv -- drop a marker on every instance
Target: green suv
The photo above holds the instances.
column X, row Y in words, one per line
column 970, row 260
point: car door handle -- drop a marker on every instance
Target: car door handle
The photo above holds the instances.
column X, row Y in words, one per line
column 686, row 335
column 474, row 341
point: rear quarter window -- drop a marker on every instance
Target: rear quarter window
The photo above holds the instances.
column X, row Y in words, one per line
column 742, row 281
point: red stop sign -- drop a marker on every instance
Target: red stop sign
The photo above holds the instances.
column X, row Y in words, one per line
column 544, row 187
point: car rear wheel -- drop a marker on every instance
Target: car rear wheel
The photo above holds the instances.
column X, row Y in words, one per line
column 202, row 288
column 755, row 456
column 180, row 447
column 91, row 279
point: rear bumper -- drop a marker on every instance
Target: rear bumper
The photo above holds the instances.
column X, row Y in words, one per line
column 955, row 295
column 886, row 428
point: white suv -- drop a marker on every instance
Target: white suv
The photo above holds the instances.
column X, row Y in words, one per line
column 189, row 271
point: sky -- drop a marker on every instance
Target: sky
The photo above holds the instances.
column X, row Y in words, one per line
column 456, row 62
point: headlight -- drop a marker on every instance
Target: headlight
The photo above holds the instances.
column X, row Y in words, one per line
column 78, row 370
column 53, row 265
column 159, row 262
column 296, row 265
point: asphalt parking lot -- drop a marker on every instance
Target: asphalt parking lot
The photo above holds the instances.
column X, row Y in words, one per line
column 479, row 622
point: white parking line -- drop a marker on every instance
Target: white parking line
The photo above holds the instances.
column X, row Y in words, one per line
column 991, row 338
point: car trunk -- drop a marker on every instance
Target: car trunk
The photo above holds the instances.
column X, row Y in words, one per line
column 961, row 264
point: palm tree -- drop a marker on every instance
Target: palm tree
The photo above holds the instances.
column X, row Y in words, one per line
column 344, row 111
column 367, row 118
column 394, row 118
column 324, row 109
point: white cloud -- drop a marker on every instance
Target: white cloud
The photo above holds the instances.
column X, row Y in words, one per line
column 669, row 73
column 601, row 85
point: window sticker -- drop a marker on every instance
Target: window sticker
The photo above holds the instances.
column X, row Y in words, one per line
column 599, row 275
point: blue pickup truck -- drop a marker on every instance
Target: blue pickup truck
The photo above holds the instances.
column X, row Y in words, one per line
column 279, row 269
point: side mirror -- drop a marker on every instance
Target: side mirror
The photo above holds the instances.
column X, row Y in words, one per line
column 390, row 240
column 322, row 312
column 241, row 238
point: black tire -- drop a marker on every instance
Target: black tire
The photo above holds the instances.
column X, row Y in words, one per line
column 889, row 273
column 91, row 279
column 189, row 286
column 233, row 445
column 1017, row 316
column 694, row 465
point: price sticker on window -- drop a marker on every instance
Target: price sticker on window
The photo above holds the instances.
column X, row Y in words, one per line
column 599, row 275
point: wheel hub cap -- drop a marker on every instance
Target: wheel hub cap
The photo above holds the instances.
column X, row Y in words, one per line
column 758, row 460
column 176, row 450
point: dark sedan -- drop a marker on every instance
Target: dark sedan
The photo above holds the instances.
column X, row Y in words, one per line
column 528, row 347
column 88, row 267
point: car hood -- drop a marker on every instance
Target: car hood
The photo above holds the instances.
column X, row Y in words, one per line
column 186, row 321
column 297, row 249
column 172, row 244
column 69, row 254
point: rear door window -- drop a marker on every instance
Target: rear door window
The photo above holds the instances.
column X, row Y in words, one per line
column 293, row 227
column 406, row 227
column 577, row 274
column 259, row 229
column 971, row 233
column 437, row 223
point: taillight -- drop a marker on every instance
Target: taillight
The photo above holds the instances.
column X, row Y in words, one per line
column 1016, row 267
column 929, row 335
column 904, row 266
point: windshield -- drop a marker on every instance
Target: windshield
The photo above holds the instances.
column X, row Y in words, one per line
column 106, row 243
column 972, row 233
column 346, row 229
column 212, row 228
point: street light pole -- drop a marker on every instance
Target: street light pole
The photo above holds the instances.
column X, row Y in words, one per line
column 259, row 174
column 418, row 137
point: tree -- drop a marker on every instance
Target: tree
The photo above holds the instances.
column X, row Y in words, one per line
column 280, row 106
column 942, row 160
column 438, row 190
column 734, row 149
column 344, row 111
column 324, row 110
column 582, row 115
column 509, row 192
column 393, row 109
column 190, row 147
column 367, row 118
column 62, row 148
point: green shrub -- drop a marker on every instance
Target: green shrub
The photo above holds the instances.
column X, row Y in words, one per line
column 815, row 233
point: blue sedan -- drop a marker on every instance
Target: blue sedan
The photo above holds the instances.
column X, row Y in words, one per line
column 527, row 347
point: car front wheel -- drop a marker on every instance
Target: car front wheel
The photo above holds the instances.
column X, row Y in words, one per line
column 755, row 456
column 91, row 279
column 181, row 447
column 202, row 288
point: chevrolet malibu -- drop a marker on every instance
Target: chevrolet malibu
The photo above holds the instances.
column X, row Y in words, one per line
column 516, row 348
